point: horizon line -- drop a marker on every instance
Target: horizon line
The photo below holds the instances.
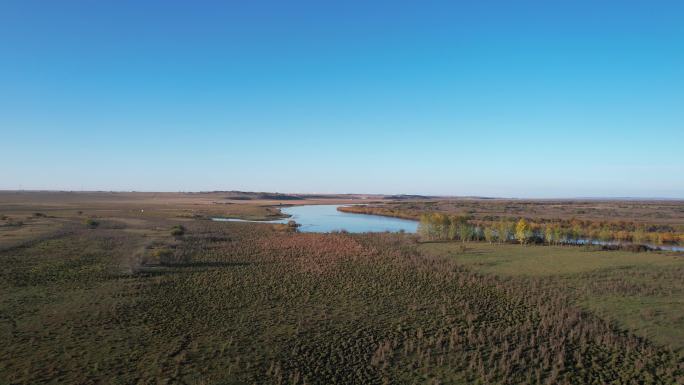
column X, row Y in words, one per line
column 419, row 196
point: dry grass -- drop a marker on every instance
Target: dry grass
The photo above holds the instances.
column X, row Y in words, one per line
column 127, row 302
column 668, row 212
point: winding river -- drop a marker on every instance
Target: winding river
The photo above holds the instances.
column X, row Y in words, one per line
column 326, row 218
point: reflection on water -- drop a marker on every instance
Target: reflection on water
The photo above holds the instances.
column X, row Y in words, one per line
column 624, row 243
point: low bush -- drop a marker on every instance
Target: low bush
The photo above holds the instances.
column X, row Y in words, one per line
column 292, row 226
column 164, row 256
column 178, row 230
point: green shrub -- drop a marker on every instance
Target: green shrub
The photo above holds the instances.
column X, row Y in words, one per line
column 91, row 223
column 177, row 230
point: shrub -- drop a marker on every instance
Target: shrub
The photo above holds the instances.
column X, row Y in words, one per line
column 163, row 255
column 91, row 223
column 177, row 230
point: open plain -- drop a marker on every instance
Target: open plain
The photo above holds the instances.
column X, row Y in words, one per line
column 144, row 288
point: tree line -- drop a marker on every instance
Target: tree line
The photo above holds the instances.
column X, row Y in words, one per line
column 439, row 226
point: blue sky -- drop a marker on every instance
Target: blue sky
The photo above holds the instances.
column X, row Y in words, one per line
column 496, row 98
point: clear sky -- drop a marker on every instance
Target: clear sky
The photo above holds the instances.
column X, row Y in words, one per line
column 497, row 98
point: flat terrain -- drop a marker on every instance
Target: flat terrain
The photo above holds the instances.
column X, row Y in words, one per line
column 511, row 259
column 142, row 288
column 666, row 212
column 643, row 292
column 29, row 214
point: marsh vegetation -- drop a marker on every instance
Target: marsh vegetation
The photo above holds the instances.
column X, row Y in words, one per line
column 535, row 225
column 227, row 302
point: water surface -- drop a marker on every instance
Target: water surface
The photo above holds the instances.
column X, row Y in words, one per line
column 650, row 246
column 326, row 218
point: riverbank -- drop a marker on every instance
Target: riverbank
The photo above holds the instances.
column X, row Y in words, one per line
column 531, row 228
column 380, row 211
column 329, row 218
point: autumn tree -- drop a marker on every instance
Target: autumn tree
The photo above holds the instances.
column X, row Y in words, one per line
column 639, row 235
column 557, row 234
column 452, row 233
column 503, row 229
column 522, row 231
column 605, row 234
column 425, row 228
column 441, row 224
column 465, row 231
column 549, row 234
column 489, row 234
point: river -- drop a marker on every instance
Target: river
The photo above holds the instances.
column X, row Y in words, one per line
column 326, row 218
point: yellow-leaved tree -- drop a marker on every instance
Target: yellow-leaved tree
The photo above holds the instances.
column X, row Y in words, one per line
column 521, row 231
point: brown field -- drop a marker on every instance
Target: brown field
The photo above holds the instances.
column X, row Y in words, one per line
column 135, row 210
column 142, row 288
column 670, row 212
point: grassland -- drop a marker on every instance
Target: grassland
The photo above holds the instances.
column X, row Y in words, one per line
column 133, row 300
column 643, row 292
column 512, row 259
column 665, row 212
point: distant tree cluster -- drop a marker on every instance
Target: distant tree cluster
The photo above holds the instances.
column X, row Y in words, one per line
column 439, row 226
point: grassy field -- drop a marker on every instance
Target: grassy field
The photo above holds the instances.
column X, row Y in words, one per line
column 512, row 259
column 139, row 299
column 644, row 292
